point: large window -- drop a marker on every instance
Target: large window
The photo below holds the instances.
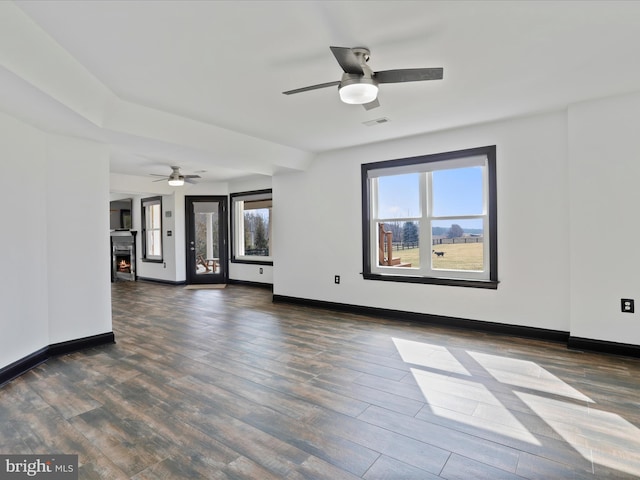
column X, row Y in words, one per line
column 432, row 219
column 152, row 229
column 251, row 216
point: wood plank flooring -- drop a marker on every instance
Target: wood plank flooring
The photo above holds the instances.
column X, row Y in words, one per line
column 224, row 384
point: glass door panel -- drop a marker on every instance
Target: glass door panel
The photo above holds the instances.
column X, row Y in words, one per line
column 206, row 239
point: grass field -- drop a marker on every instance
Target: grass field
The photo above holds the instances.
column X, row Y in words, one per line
column 459, row 256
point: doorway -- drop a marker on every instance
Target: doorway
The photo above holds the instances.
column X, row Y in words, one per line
column 206, row 218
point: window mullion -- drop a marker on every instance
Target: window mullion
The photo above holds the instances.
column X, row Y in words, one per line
column 425, row 229
column 239, row 226
column 485, row 219
column 373, row 223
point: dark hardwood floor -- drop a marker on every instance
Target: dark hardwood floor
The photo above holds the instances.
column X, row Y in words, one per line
column 224, row 384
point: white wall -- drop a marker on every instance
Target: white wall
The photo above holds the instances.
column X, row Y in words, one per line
column 318, row 231
column 23, row 242
column 78, row 248
column 248, row 272
column 54, row 250
column 604, row 160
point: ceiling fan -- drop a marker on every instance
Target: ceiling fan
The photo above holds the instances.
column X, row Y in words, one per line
column 359, row 84
column 176, row 179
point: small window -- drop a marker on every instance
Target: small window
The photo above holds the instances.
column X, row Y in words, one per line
column 152, row 229
column 431, row 219
column 251, row 220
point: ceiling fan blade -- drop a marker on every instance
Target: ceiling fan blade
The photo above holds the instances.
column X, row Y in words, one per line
column 164, row 179
column 312, row 87
column 347, row 60
column 191, row 176
column 156, row 175
column 409, row 75
column 188, row 180
column 371, row 105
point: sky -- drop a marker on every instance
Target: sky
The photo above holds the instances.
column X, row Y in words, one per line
column 455, row 192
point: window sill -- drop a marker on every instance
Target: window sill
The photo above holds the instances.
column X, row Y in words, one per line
column 257, row 261
column 149, row 260
column 453, row 282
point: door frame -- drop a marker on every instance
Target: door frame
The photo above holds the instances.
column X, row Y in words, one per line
column 191, row 276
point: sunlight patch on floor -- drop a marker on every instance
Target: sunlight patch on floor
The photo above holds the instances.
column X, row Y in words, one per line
column 436, row 386
column 450, row 406
column 484, row 391
column 586, row 429
column 427, row 355
column 526, row 374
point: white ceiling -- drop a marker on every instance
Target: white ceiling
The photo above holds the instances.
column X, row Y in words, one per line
column 198, row 84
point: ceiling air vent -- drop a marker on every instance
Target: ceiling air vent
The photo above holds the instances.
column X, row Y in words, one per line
column 377, row 121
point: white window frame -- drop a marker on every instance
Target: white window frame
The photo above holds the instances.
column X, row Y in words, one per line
column 484, row 158
column 264, row 197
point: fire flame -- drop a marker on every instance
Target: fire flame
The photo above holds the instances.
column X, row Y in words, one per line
column 124, row 266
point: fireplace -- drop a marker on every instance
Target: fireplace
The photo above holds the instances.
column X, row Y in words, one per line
column 123, row 255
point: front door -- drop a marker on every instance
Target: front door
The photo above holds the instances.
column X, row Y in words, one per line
column 206, row 218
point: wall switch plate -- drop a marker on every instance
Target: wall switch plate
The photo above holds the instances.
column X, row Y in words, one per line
column 626, row 305
column 336, row 279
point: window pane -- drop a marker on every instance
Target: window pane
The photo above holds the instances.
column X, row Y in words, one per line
column 153, row 243
column 398, row 244
column 207, row 224
column 457, row 192
column 154, row 216
column 256, row 230
column 457, row 245
column 399, row 196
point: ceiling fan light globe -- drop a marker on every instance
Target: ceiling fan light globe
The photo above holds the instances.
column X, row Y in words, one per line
column 358, row 93
column 176, row 181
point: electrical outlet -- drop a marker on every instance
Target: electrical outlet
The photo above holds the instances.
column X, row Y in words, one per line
column 336, row 279
column 261, row 271
column 626, row 305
